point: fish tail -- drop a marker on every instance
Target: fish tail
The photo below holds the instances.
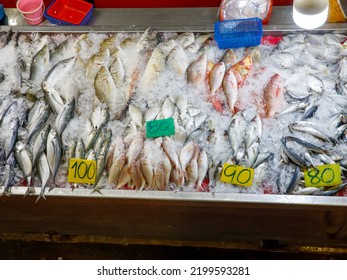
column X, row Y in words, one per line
column 41, row 195
column 96, row 190
column 30, row 190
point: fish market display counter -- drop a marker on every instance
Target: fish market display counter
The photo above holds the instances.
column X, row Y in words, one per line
column 215, row 216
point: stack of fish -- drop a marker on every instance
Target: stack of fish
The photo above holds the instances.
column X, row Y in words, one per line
column 90, row 96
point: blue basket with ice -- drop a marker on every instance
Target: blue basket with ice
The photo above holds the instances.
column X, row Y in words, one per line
column 238, row 33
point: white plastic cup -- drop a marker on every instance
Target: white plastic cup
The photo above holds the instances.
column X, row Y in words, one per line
column 310, row 14
column 31, row 10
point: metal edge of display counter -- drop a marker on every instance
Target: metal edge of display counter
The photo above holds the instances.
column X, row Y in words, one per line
column 172, row 218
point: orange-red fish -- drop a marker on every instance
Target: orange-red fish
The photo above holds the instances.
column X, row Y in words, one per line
column 274, row 96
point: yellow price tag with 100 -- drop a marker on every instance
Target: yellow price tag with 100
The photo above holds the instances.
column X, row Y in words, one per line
column 237, row 175
column 82, row 171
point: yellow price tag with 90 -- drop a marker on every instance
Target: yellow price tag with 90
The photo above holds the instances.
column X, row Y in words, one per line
column 237, row 175
column 323, row 176
column 82, row 171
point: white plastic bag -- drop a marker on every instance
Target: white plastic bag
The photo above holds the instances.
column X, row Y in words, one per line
column 238, row 9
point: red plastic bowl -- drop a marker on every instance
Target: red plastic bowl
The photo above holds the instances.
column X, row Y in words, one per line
column 71, row 11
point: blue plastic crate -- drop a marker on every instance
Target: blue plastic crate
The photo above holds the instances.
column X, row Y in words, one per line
column 238, row 33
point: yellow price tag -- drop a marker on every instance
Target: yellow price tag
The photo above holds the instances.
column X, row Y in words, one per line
column 237, row 175
column 82, row 171
column 323, row 176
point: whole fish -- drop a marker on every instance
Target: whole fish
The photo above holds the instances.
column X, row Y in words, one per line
column 135, row 148
column 7, row 110
column 61, row 51
column 216, row 77
column 37, row 117
column 303, row 127
column 23, row 159
column 107, row 92
column 53, row 98
column 254, row 130
column 274, row 96
column 196, row 72
column 40, row 143
column 236, row 132
column 91, row 139
column 307, row 145
column 294, row 108
column 177, row 60
column 116, row 168
column 70, row 151
column 39, row 65
column 155, row 65
column 168, row 108
column 159, row 177
column 186, row 156
column 171, row 153
column 11, row 140
column 59, row 71
column 193, row 167
column 99, row 117
column 314, row 83
column 54, row 153
column 230, row 90
column 293, row 156
column 43, row 171
column 167, row 46
column 185, row 39
column 202, row 168
column 117, row 71
column 229, row 58
column 9, row 174
column 136, row 116
column 96, row 62
column 167, row 167
column 64, row 117
column 262, row 157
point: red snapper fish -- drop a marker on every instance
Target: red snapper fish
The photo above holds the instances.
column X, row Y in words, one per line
column 274, row 96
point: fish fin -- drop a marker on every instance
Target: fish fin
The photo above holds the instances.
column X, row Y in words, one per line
column 41, row 195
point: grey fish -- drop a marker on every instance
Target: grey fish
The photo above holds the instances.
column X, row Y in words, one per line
column 40, row 143
column 53, row 98
column 37, row 117
column 307, row 145
column 10, row 142
column 39, row 65
column 6, row 111
column 294, row 108
column 294, row 181
column 333, row 191
column 309, row 112
column 59, row 53
column 301, row 126
column 293, row 156
column 64, row 117
column 54, row 153
column 70, row 151
column 9, row 174
column 80, row 149
column 59, row 70
column 341, row 88
column 23, row 159
column 5, row 37
column 43, row 171
column 236, row 132
column 91, row 139
column 254, row 130
column 262, row 157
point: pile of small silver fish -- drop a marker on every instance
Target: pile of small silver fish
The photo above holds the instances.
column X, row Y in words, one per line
column 278, row 108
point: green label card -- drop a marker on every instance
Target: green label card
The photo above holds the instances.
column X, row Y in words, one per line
column 157, row 128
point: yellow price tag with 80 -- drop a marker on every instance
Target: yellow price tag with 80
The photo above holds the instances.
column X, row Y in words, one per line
column 323, row 176
column 237, row 175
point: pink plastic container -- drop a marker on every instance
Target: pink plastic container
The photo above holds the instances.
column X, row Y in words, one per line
column 31, row 10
